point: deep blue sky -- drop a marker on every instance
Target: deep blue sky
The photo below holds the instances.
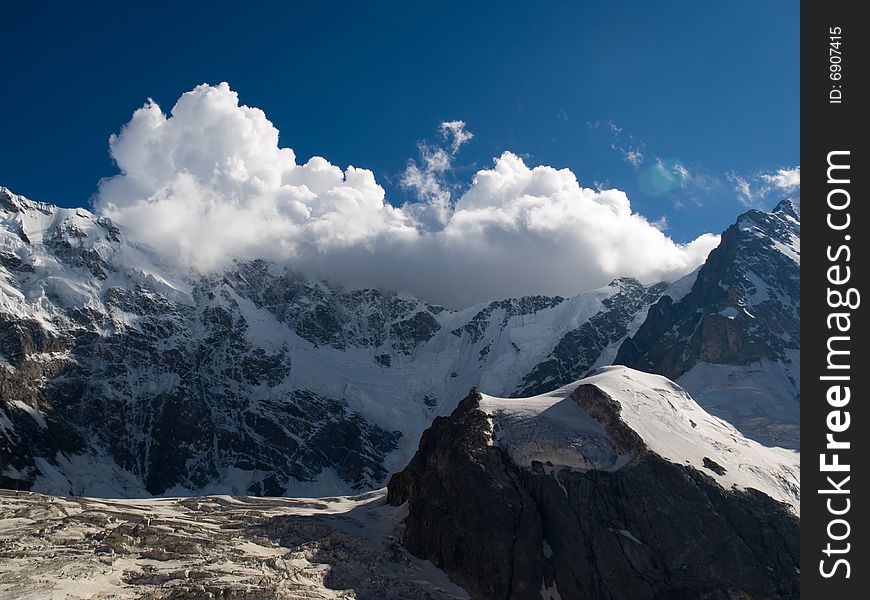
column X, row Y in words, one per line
column 712, row 85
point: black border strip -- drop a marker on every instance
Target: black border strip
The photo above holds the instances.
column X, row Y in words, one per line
column 834, row 113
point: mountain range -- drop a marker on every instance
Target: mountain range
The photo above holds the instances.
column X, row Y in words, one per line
column 614, row 487
column 122, row 375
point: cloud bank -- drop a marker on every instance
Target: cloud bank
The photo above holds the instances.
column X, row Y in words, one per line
column 209, row 182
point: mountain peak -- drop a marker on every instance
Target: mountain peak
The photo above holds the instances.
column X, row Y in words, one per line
column 790, row 207
column 734, row 340
column 616, row 414
column 12, row 202
column 8, row 200
column 580, row 486
column 625, row 282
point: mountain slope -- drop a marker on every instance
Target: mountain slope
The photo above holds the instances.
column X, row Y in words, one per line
column 122, row 376
column 595, row 342
column 734, row 340
column 618, row 486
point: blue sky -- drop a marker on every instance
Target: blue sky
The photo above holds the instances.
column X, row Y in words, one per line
column 713, row 87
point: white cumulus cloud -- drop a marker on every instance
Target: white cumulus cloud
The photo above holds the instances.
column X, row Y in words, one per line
column 209, row 181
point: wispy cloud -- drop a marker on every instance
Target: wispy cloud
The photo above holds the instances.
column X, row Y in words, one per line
column 670, row 173
column 427, row 177
column 661, row 223
column 630, row 148
column 681, row 172
column 752, row 190
column 785, row 179
column 455, row 133
column 692, row 185
column 673, row 171
column 742, row 187
column 633, row 157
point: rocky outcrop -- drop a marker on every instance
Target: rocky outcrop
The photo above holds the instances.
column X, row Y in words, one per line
column 28, row 426
column 651, row 529
column 743, row 306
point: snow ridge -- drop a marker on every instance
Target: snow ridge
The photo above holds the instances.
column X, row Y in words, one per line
column 556, row 430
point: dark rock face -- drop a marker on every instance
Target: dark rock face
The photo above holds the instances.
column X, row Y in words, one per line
column 67, row 244
column 212, row 371
column 579, row 349
column 201, row 422
column 676, row 336
column 410, row 333
column 333, row 317
column 22, row 386
column 474, row 521
column 652, row 529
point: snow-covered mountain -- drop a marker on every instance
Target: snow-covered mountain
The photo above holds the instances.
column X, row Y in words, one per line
column 733, row 340
column 617, row 486
column 122, row 376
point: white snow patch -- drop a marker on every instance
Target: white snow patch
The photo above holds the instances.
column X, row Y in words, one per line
column 681, row 287
column 729, row 313
column 676, row 428
column 761, row 292
column 86, row 475
column 552, row 429
column 792, row 249
column 555, row 430
column 766, row 392
column 627, row 534
column 5, row 363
